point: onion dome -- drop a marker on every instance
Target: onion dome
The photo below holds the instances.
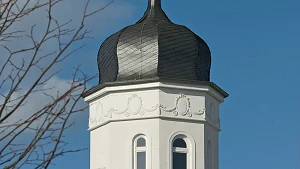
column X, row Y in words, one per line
column 154, row 47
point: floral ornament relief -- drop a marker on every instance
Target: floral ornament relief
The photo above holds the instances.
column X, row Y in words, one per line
column 134, row 107
column 182, row 107
column 97, row 115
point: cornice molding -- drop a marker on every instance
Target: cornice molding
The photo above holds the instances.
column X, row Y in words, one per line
column 102, row 89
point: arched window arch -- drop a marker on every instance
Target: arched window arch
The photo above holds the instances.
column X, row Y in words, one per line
column 209, row 155
column 140, row 152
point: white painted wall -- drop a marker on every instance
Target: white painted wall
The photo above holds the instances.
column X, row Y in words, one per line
column 194, row 132
column 157, row 110
column 119, row 141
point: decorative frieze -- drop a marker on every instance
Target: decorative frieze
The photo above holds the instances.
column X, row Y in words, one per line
column 182, row 107
column 97, row 116
column 135, row 106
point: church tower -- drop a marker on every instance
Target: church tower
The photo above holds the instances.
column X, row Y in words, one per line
column 154, row 107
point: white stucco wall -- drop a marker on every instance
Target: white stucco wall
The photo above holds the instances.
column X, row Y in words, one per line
column 195, row 134
column 119, row 141
column 157, row 110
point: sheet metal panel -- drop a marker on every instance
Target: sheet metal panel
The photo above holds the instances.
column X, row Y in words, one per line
column 154, row 47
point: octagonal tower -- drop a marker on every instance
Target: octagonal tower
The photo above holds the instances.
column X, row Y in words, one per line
column 154, row 107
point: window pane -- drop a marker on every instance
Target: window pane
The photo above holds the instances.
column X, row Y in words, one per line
column 179, row 143
column 141, row 142
column 141, row 160
column 179, row 161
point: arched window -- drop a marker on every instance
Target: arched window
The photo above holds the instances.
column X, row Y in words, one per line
column 209, row 155
column 140, row 153
column 180, row 154
column 182, row 150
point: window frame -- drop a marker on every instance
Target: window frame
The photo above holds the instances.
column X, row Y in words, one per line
column 181, row 150
column 189, row 150
column 137, row 149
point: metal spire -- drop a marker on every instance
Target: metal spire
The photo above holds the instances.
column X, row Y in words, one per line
column 154, row 12
column 155, row 3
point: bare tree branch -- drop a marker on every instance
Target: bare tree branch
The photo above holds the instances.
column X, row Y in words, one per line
column 33, row 63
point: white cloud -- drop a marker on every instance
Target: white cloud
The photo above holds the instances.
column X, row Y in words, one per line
column 67, row 10
column 37, row 100
column 64, row 11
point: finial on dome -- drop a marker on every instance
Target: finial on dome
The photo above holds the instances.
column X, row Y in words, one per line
column 154, row 12
column 155, row 3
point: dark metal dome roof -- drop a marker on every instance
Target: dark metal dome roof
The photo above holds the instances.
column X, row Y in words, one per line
column 154, row 47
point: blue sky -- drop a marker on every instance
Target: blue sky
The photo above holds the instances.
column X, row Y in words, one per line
column 255, row 58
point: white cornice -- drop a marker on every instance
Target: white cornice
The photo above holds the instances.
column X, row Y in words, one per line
column 154, row 85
